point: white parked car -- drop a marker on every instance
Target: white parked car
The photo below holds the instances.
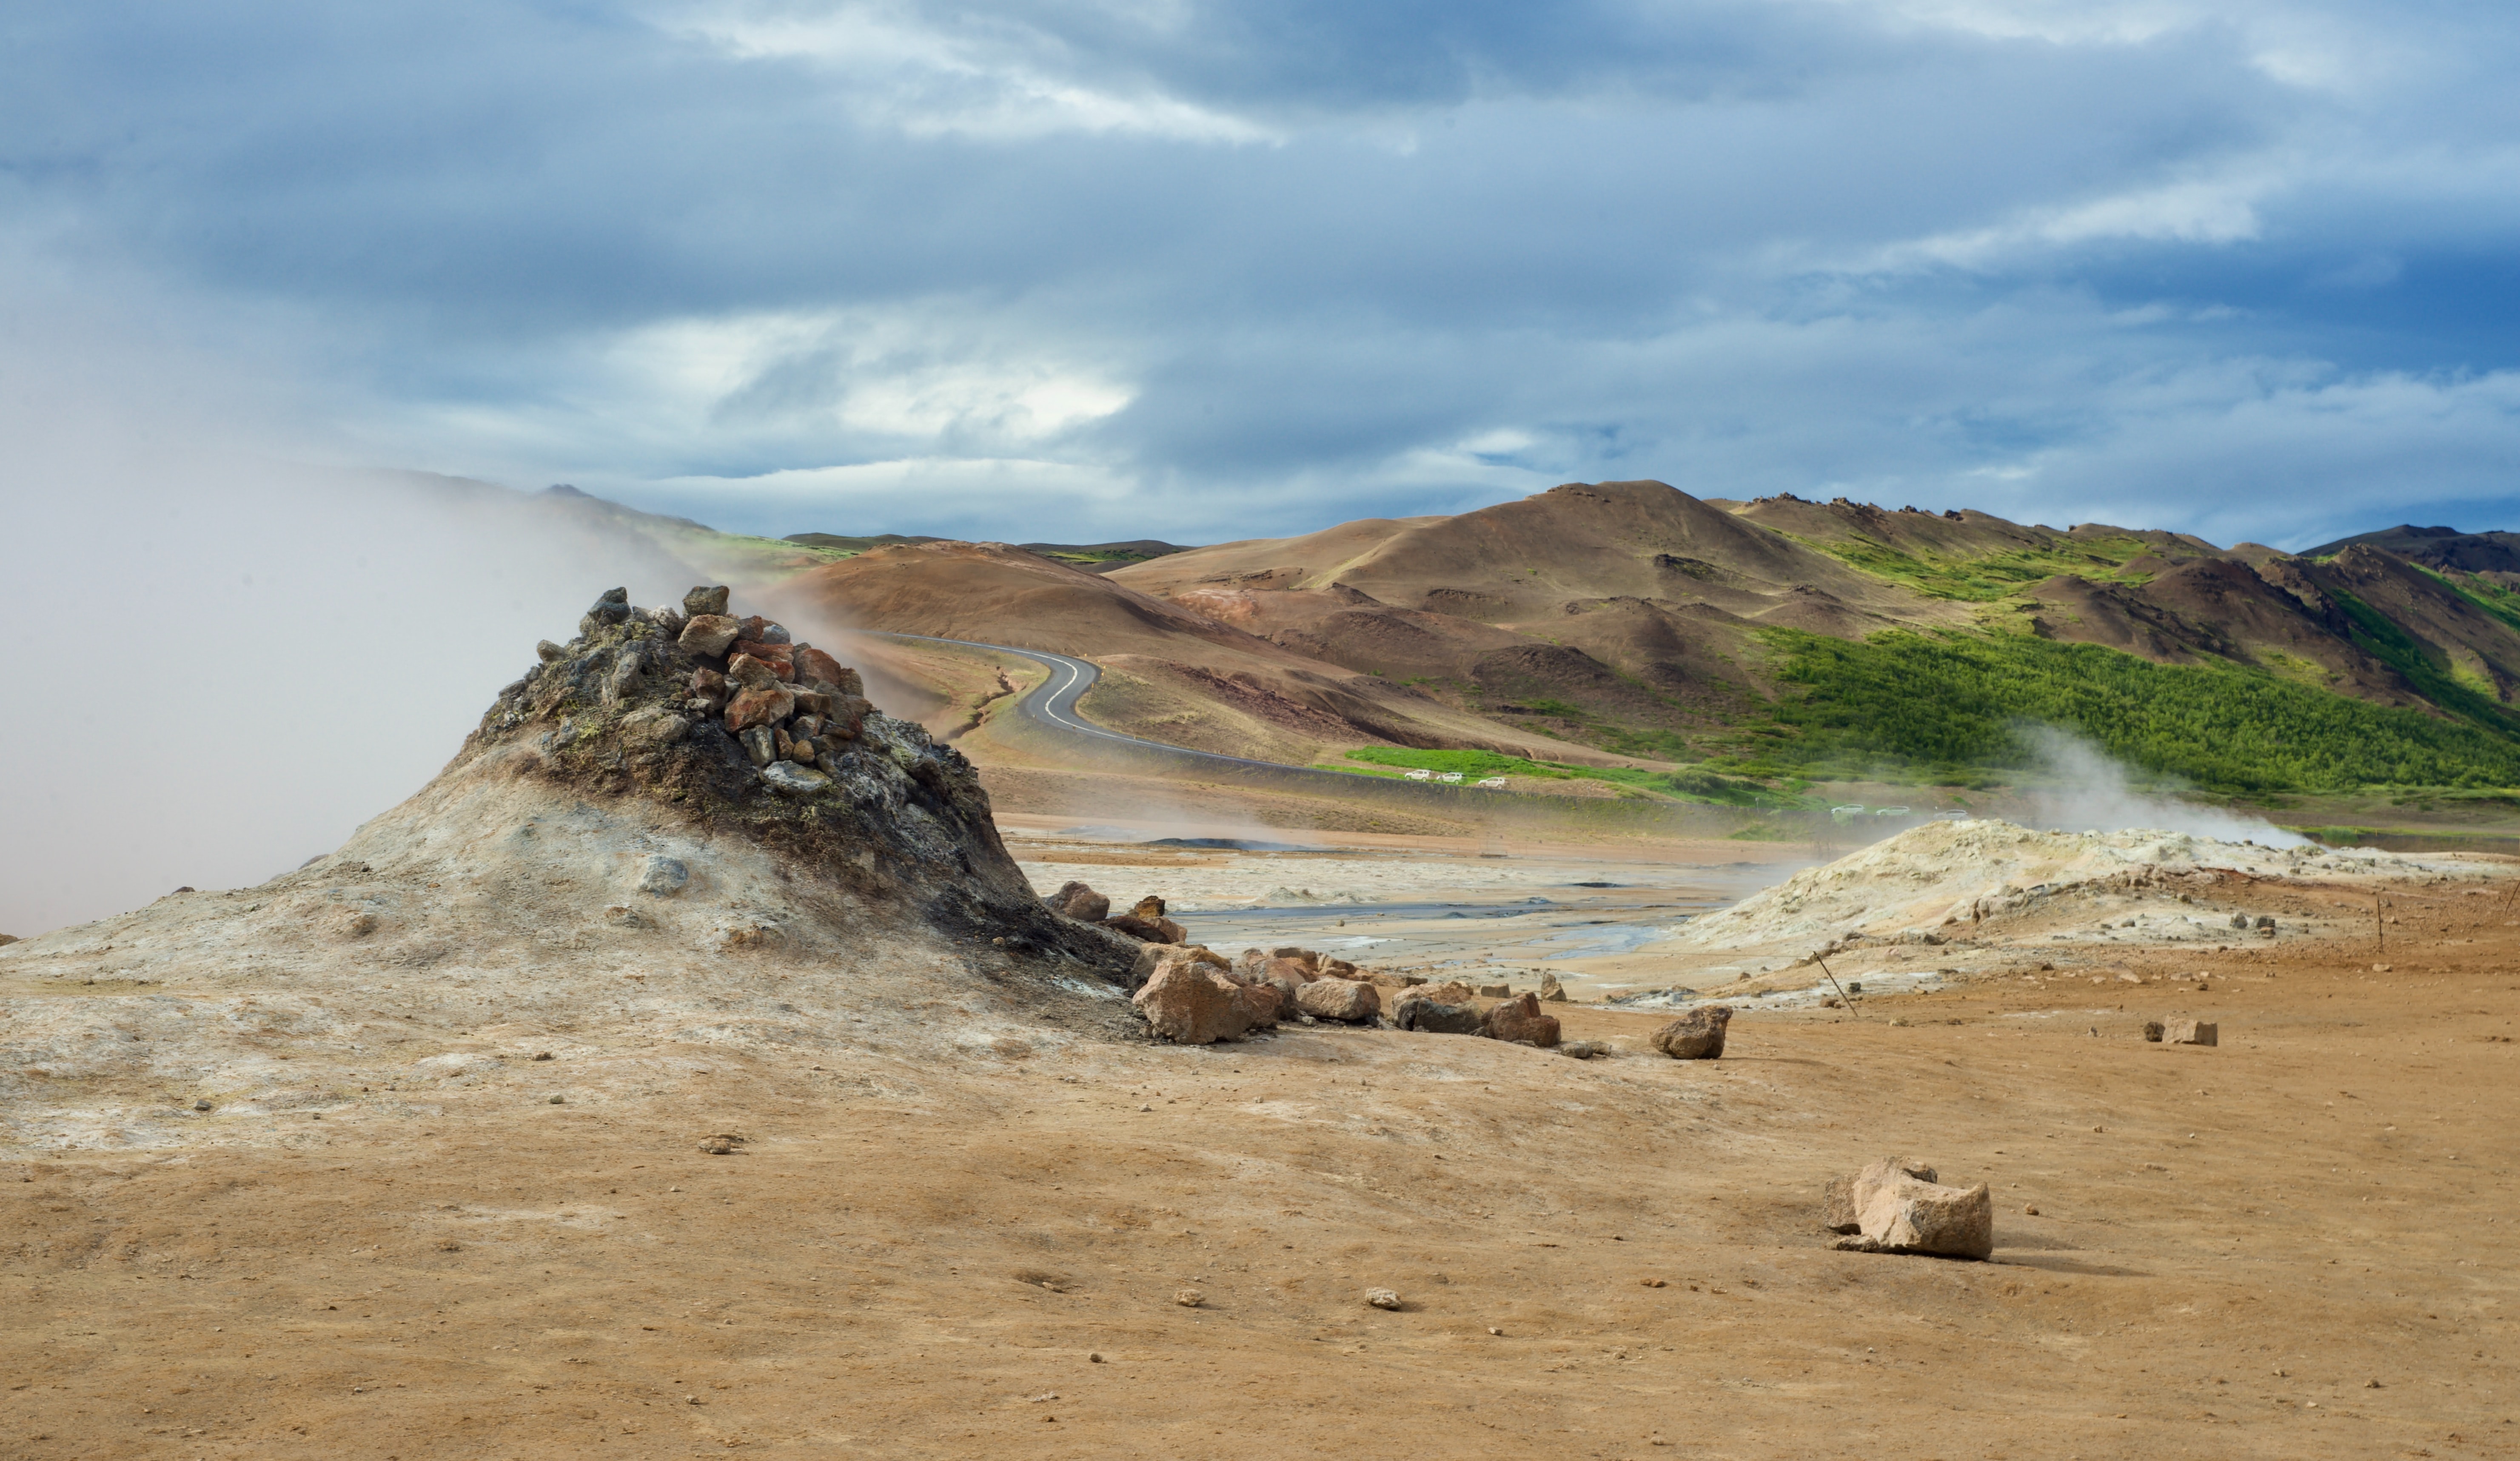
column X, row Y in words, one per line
column 1491, row 782
column 1454, row 777
column 1419, row 775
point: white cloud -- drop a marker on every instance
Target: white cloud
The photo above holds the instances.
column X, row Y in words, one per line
column 2057, row 22
column 990, row 82
column 2211, row 211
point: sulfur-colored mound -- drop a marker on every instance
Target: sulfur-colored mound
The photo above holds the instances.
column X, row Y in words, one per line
column 605, row 871
column 1947, row 877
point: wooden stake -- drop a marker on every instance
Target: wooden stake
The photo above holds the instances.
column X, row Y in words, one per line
column 1845, row 998
column 2379, row 924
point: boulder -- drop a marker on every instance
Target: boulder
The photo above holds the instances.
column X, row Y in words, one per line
column 708, row 634
column 1338, row 968
column 661, row 876
column 1290, row 971
column 550, row 654
column 1585, row 1050
column 652, row 728
column 1413, row 1011
column 789, row 777
column 758, row 745
column 1450, row 991
column 1080, row 901
column 612, row 608
column 1496, row 992
column 1151, row 955
column 1837, row 1200
column 2191, row 1033
column 1289, row 976
column 1519, row 1021
column 758, row 707
column 745, row 672
column 844, row 715
column 1343, row 999
column 815, row 665
column 776, row 656
column 1696, row 1036
column 709, row 602
column 1149, row 908
column 1143, row 931
column 1896, row 1210
column 623, row 683
column 1550, row 991
column 1191, row 1004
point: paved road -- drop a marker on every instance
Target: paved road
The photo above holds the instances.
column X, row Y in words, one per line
column 1052, row 703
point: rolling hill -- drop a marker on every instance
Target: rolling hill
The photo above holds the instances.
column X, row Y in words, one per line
column 1791, row 641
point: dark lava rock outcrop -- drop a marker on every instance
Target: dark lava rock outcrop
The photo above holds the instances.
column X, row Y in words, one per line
column 734, row 726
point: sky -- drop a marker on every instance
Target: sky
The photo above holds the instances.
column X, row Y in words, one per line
column 1119, row 268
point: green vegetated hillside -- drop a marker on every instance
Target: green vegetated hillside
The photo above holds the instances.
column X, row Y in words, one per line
column 1692, row 785
column 1985, row 578
column 1952, row 707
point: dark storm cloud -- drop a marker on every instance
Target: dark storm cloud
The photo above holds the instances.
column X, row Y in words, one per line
column 1216, row 270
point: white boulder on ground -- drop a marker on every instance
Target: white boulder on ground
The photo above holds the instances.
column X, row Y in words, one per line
column 1895, row 1205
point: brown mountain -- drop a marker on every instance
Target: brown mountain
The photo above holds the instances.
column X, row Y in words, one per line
column 1629, row 617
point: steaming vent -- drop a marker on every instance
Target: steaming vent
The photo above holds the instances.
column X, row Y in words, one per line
column 680, row 832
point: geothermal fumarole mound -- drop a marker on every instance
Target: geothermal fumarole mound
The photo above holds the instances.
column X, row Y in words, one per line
column 679, row 831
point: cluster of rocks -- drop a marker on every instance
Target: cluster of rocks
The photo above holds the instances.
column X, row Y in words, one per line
column 1193, row 996
column 793, row 707
column 1145, row 922
column 735, row 725
column 1899, row 1204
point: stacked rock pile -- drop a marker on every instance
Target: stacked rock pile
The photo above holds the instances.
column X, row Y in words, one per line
column 792, row 706
column 733, row 723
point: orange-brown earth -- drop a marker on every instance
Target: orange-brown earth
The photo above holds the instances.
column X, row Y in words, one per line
column 2290, row 1244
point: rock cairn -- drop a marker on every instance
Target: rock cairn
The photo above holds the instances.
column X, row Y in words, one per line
column 734, row 724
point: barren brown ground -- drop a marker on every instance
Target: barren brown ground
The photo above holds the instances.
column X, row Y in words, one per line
column 2232, row 1245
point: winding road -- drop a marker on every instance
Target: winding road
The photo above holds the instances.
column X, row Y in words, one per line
column 1052, row 703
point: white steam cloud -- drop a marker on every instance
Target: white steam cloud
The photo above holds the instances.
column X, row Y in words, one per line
column 2091, row 792
column 220, row 663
